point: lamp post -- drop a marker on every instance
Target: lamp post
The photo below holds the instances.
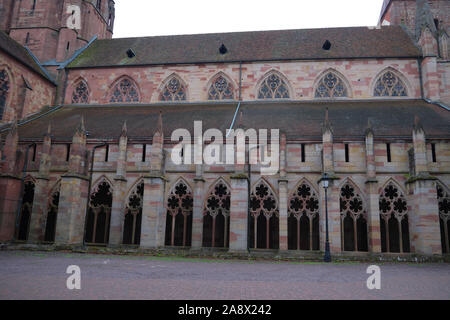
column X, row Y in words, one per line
column 326, row 180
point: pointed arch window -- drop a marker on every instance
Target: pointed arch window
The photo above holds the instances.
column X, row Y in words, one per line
column 331, row 86
column 273, row 87
column 394, row 224
column 173, row 90
column 444, row 217
column 124, row 91
column 353, row 220
column 303, row 219
column 221, row 89
column 179, row 215
column 25, row 212
column 81, row 93
column 133, row 216
column 99, row 214
column 389, row 85
column 4, row 90
column 264, row 222
column 216, row 217
column 50, row 227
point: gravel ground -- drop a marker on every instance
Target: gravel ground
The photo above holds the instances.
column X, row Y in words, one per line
column 42, row 275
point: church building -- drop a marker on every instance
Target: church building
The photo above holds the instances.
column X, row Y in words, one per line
column 363, row 113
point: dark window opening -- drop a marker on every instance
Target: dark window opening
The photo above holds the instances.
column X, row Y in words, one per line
column 68, row 152
column 388, row 152
column 347, row 153
column 107, row 153
column 436, row 23
column 33, row 7
column 433, row 152
column 223, row 49
column 144, row 152
column 99, row 4
column 303, row 153
column 326, row 45
column 68, row 46
column 34, row 153
column 130, row 53
column 27, row 39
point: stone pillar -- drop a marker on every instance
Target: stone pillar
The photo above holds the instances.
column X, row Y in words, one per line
column 153, row 210
column 41, row 196
column 74, row 193
column 430, row 76
column 10, row 185
column 283, row 196
column 197, row 219
column 424, row 216
column 239, row 213
column 119, row 194
column 373, row 207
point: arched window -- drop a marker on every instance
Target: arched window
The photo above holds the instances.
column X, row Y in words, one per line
column 303, row 219
column 273, row 87
column 97, row 225
column 444, row 217
column 4, row 89
column 331, row 86
column 50, row 227
column 133, row 216
column 394, row 225
column 81, row 93
column 221, row 89
column 25, row 212
column 389, row 85
column 264, row 220
column 179, row 215
column 173, row 90
column 216, row 216
column 125, row 91
column 353, row 220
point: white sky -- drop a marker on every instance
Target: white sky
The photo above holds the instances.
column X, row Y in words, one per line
column 137, row 18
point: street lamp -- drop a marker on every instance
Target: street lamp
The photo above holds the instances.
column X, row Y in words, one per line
column 326, row 180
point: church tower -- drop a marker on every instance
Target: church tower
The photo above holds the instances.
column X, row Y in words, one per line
column 54, row 29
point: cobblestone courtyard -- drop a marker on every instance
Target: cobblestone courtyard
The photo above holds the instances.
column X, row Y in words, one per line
column 39, row 275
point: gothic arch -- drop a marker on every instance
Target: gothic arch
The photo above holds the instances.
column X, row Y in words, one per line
column 100, row 180
column 80, row 92
column 173, row 88
column 52, row 212
column 396, row 77
column 99, row 213
column 332, row 84
column 7, row 85
column 217, row 89
column 133, row 213
column 303, row 217
column 443, row 196
column 394, row 224
column 273, row 85
column 216, row 214
column 179, row 207
column 264, row 216
column 124, row 90
column 353, row 212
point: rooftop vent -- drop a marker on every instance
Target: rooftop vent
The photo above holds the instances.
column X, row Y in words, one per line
column 130, row 53
column 326, row 45
column 223, row 49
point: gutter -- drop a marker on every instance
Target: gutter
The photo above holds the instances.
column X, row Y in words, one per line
column 440, row 104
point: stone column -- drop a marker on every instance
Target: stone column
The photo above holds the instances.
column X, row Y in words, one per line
column 424, row 215
column 283, row 196
column 41, row 197
column 197, row 219
column 119, row 194
column 10, row 185
column 239, row 213
column 74, row 193
column 373, row 208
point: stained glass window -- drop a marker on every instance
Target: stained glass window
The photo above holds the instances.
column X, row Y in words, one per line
column 99, row 215
column 221, row 89
column 174, row 90
column 125, row 91
column 179, row 215
column 4, row 88
column 389, row 85
column 133, row 216
column 331, row 86
column 273, row 87
column 80, row 94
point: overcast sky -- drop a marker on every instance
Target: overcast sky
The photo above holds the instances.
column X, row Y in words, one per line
column 137, row 18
